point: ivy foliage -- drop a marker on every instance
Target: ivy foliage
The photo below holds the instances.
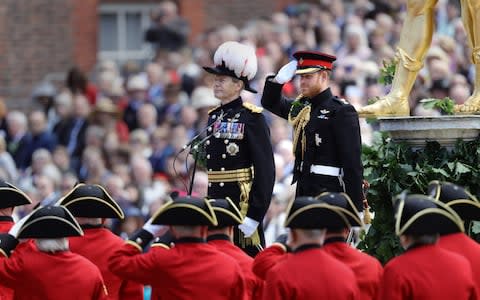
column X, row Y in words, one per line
column 393, row 167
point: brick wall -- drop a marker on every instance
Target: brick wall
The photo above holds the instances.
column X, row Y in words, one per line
column 37, row 38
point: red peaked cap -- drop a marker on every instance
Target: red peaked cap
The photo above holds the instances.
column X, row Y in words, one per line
column 314, row 59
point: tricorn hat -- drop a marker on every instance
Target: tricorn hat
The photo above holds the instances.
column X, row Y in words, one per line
column 226, row 211
column 91, row 201
column 49, row 222
column 311, row 213
column 313, row 61
column 345, row 205
column 457, row 198
column 235, row 60
column 420, row 214
column 12, row 196
column 190, row 211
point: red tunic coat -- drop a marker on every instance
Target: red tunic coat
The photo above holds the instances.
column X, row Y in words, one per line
column 308, row 273
column 190, row 270
column 5, row 224
column 425, row 273
column 460, row 243
column 97, row 245
column 366, row 268
column 51, row 276
column 253, row 283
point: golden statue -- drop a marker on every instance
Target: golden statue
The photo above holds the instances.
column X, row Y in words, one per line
column 415, row 39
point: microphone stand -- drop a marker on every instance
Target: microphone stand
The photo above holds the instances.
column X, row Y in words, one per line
column 194, row 150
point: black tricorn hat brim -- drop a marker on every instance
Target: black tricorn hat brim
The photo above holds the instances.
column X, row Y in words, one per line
column 310, row 213
column 189, row 211
column 456, row 197
column 11, row 196
column 226, row 211
column 423, row 215
column 50, row 222
column 345, row 205
column 219, row 70
column 91, row 201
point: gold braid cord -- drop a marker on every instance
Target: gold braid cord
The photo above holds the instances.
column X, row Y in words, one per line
column 245, row 187
column 299, row 122
column 409, row 63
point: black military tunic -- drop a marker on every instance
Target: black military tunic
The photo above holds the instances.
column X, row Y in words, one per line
column 240, row 160
column 332, row 141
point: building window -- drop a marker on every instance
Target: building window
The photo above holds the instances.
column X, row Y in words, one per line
column 122, row 30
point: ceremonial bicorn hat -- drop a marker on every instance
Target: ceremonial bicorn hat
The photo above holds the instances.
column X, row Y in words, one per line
column 91, row 201
column 190, row 211
column 235, row 60
column 420, row 214
column 456, row 197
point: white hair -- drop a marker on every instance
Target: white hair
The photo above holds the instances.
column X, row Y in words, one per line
column 52, row 245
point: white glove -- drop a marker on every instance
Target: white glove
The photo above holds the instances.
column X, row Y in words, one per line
column 16, row 227
column 286, row 73
column 248, row 227
column 155, row 230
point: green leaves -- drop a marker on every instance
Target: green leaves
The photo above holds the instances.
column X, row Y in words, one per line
column 391, row 168
column 387, row 72
column 445, row 105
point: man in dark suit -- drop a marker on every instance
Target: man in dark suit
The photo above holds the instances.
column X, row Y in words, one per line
column 239, row 154
column 327, row 142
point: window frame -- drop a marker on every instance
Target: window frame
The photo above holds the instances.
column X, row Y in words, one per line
column 122, row 54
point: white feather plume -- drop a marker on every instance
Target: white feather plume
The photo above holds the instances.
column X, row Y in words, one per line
column 237, row 57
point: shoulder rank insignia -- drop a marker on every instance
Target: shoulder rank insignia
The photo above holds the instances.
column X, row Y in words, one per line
column 253, row 108
column 211, row 110
column 341, row 100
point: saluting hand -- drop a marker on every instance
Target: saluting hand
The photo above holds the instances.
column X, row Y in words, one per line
column 286, row 73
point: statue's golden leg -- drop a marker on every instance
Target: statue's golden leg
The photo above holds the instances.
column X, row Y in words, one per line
column 471, row 21
column 415, row 39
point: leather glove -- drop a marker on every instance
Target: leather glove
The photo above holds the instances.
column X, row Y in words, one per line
column 248, row 226
column 286, row 73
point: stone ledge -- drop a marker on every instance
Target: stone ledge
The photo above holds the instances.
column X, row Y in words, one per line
column 417, row 131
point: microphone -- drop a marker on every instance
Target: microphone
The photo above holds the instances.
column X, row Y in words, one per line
column 218, row 120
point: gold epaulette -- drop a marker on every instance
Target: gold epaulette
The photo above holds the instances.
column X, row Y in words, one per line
column 211, row 110
column 253, row 108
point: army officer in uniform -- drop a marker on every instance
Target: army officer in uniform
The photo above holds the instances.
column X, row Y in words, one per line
column 239, row 153
column 327, row 143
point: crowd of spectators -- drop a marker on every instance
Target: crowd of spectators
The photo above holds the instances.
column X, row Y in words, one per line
column 124, row 126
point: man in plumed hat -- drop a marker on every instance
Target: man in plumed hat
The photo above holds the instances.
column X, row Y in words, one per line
column 191, row 268
column 221, row 237
column 426, row 270
column 91, row 205
column 326, row 139
column 467, row 207
column 239, row 155
column 10, row 197
column 308, row 272
column 50, row 270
